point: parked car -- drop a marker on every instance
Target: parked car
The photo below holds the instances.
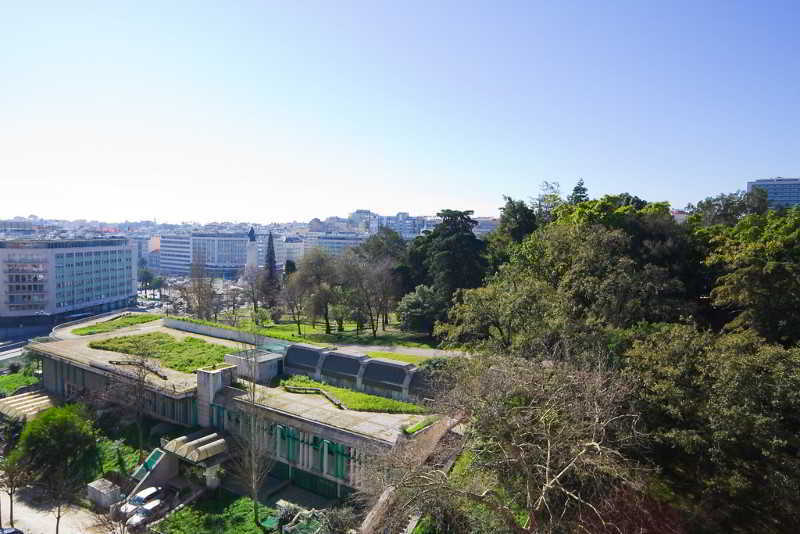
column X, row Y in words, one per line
column 143, row 514
column 138, row 500
column 10, row 531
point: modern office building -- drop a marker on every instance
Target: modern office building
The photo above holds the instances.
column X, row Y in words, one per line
column 176, row 255
column 781, row 192
column 60, row 278
column 220, row 255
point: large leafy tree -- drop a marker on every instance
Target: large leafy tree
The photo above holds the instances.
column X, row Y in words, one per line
column 760, row 261
column 448, row 258
column 728, row 208
column 418, row 310
column 723, row 413
column 517, row 220
column 317, row 274
column 565, row 289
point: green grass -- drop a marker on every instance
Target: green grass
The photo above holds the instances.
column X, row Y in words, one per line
column 11, row 383
column 186, row 355
column 425, row 423
column 115, row 456
column 355, row 400
column 115, row 324
column 215, row 513
column 287, row 331
column 408, row 358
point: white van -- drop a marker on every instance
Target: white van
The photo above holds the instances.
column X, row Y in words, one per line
column 138, row 500
column 143, row 514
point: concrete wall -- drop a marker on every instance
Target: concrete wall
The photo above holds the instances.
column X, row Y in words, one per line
column 223, row 333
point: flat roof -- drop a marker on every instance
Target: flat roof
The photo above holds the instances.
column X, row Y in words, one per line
column 76, row 348
column 386, row 427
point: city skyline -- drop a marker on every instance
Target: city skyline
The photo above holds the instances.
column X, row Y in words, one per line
column 282, row 112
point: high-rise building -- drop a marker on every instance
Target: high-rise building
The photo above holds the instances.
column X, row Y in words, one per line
column 781, row 192
column 59, row 278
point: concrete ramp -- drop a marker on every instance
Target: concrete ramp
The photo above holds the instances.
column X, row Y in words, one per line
column 27, row 405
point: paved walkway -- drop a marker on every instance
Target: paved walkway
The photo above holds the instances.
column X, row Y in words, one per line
column 33, row 519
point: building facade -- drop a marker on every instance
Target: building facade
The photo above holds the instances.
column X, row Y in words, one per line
column 58, row 278
column 175, row 257
column 781, row 192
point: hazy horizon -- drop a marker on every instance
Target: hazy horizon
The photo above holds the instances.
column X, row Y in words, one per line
column 275, row 111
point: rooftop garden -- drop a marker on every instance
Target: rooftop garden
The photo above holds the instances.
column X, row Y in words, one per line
column 186, row 355
column 214, row 513
column 316, row 335
column 116, row 323
column 355, row 400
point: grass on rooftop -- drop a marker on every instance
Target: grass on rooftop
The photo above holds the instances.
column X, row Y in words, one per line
column 214, row 513
column 115, row 324
column 186, row 355
column 407, row 358
column 355, row 400
column 11, row 383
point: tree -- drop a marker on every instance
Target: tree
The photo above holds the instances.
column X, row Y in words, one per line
column 579, row 193
column 269, row 282
column 252, row 440
column 289, row 267
column 132, row 388
column 294, row 296
column 544, row 448
column 760, row 281
column 14, row 474
column 145, row 279
column 200, row 297
column 547, row 201
column 59, row 437
column 517, row 220
column 317, row 273
column 418, row 311
column 365, row 282
column 722, row 411
column 728, row 209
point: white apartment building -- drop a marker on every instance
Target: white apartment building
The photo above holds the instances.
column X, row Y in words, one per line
column 58, row 278
column 286, row 248
column 219, row 254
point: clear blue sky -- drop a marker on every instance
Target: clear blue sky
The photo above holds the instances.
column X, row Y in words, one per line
column 284, row 111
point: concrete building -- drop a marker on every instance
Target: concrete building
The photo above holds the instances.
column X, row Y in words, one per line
column 60, row 278
column 781, row 192
column 221, row 255
column 287, row 247
column 176, row 255
column 316, row 444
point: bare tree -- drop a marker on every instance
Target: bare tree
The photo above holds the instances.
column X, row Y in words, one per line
column 546, row 446
column 199, row 294
column 106, row 524
column 60, row 489
column 252, row 282
column 131, row 388
column 253, row 444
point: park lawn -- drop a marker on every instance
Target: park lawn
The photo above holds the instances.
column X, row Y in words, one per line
column 186, row 355
column 408, row 358
column 11, row 383
column 215, row 513
column 115, row 324
column 355, row 400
